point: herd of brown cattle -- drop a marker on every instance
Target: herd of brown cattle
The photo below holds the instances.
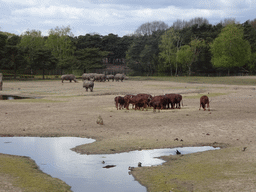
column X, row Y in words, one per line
column 166, row 101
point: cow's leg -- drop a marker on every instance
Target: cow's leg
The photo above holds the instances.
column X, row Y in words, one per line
column 203, row 105
column 116, row 106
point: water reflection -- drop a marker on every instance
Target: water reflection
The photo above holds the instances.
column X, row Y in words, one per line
column 85, row 172
column 12, row 97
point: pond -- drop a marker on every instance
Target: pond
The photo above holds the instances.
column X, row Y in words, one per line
column 12, row 97
column 86, row 172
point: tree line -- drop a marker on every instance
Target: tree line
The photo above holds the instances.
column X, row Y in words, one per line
column 185, row 48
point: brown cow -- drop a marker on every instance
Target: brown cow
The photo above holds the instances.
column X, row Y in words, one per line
column 126, row 101
column 147, row 97
column 139, row 101
column 204, row 100
column 159, row 102
column 119, row 101
column 173, row 99
column 178, row 100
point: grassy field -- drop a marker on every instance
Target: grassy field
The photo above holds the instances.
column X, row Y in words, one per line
column 26, row 176
column 67, row 110
column 231, row 80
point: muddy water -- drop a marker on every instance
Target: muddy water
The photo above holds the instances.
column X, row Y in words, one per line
column 86, row 172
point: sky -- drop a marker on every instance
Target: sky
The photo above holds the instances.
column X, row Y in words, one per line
column 120, row 17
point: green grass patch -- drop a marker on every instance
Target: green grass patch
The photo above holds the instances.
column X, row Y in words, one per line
column 196, row 79
column 28, row 177
column 205, row 171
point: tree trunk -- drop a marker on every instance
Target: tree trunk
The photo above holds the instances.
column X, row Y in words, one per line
column 43, row 73
column 15, row 71
column 176, row 70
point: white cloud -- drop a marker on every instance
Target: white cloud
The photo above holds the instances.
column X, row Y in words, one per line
column 105, row 16
column 28, row 2
column 23, row 2
column 51, row 11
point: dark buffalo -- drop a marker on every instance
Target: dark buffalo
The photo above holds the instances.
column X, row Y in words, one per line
column 119, row 101
column 68, row 77
column 204, row 100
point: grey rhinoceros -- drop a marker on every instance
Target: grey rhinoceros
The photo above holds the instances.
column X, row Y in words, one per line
column 88, row 85
column 119, row 76
column 100, row 77
column 108, row 77
column 88, row 76
column 1, row 81
column 68, row 77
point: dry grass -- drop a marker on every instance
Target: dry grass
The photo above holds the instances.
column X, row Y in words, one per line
column 67, row 110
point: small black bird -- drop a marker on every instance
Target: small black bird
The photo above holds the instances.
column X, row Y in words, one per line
column 177, row 152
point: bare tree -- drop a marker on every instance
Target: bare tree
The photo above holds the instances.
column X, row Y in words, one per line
column 227, row 21
column 198, row 20
column 253, row 23
column 149, row 28
column 179, row 24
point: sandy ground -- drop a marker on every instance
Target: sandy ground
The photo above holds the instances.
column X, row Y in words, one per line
column 67, row 110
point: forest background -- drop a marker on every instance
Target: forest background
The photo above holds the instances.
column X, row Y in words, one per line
column 192, row 47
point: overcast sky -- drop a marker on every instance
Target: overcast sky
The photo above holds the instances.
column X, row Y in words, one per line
column 119, row 17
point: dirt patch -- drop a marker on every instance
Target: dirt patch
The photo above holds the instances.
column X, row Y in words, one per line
column 67, row 110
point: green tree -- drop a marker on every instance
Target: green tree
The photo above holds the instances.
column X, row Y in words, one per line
column 14, row 59
column 229, row 49
column 250, row 36
column 61, row 45
column 3, row 40
column 188, row 54
column 185, row 57
column 170, row 44
column 90, row 58
column 43, row 59
column 30, row 43
column 142, row 55
column 89, row 41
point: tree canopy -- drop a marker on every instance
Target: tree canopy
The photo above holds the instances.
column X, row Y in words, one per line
column 230, row 49
column 187, row 47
